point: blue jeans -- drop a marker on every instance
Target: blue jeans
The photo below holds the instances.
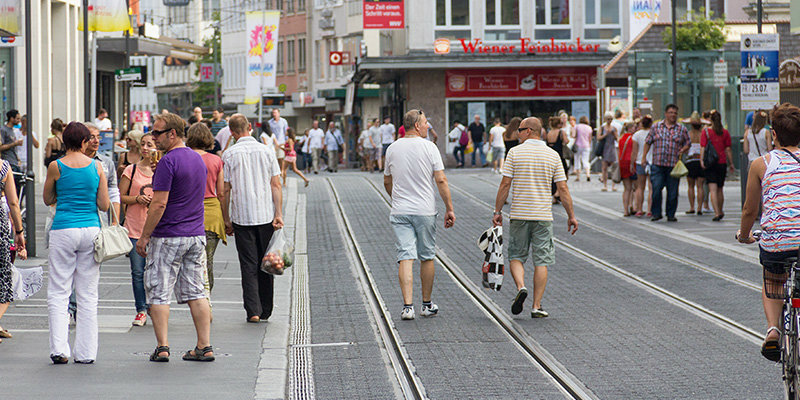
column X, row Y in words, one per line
column 478, row 146
column 459, row 149
column 137, row 278
column 659, row 177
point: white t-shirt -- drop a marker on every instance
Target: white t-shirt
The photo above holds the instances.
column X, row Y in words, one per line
column 304, row 141
column 377, row 136
column 315, row 138
column 279, row 128
column 364, row 139
column 104, row 125
column 497, row 136
column 639, row 137
column 411, row 163
column 387, row 132
column 223, row 136
column 22, row 151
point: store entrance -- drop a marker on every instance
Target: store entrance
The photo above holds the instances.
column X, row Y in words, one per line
column 506, row 109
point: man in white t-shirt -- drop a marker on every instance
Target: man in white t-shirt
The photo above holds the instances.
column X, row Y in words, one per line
column 366, row 147
column 377, row 140
column 278, row 125
column 102, row 121
column 22, row 151
column 316, row 141
column 224, row 138
column 498, row 146
column 388, row 134
column 412, row 166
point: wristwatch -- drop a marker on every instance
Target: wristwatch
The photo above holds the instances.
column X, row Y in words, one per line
column 498, row 213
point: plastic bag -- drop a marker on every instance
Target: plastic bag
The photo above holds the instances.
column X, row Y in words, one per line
column 470, row 149
column 679, row 171
column 491, row 243
column 279, row 255
column 26, row 282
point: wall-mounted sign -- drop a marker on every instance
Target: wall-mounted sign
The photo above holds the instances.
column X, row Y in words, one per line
column 721, row 74
column 760, row 88
column 176, row 3
column 789, row 75
column 384, row 14
column 525, row 82
column 207, row 72
column 525, row 46
column 335, row 58
column 441, row 46
column 128, row 74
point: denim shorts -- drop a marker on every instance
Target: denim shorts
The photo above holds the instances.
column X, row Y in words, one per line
column 416, row 236
column 538, row 235
column 642, row 170
column 776, row 262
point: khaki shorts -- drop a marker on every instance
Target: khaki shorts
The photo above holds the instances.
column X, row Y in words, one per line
column 532, row 234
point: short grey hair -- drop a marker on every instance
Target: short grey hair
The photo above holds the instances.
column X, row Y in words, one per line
column 411, row 118
column 91, row 126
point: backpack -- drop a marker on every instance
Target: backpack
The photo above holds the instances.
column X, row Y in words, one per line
column 464, row 139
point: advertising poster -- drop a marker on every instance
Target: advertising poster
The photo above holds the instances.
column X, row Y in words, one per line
column 262, row 53
column 106, row 144
column 384, row 14
column 10, row 25
column 643, row 12
column 107, row 16
column 580, row 109
column 473, row 109
column 759, row 71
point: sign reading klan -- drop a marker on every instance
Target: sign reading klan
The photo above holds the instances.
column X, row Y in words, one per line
column 384, row 14
column 10, row 26
column 262, row 53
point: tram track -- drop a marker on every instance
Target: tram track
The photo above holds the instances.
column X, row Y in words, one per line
column 570, row 385
column 691, row 306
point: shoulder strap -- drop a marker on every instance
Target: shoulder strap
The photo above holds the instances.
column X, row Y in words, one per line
column 133, row 173
column 755, row 140
column 792, row 154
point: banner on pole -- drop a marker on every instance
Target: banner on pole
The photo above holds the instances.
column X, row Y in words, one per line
column 384, row 14
column 10, row 25
column 262, row 53
column 760, row 88
column 107, row 16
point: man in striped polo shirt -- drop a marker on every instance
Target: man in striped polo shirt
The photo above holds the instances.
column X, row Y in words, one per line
column 530, row 168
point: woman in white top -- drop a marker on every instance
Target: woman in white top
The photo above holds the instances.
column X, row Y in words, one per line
column 498, row 146
column 757, row 139
column 642, row 171
column 695, row 177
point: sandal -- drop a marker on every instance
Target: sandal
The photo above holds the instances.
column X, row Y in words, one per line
column 199, row 354
column 155, row 357
column 690, row 212
column 639, row 214
column 254, row 319
column 59, row 359
column 771, row 349
column 4, row 334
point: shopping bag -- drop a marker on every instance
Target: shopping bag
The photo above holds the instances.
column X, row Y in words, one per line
column 470, row 148
column 491, row 243
column 489, row 155
column 679, row 171
column 279, row 254
column 26, row 282
column 616, row 174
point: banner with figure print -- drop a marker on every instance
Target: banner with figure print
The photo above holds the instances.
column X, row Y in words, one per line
column 106, row 16
column 262, row 53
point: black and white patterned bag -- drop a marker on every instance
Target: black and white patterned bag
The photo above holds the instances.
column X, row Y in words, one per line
column 491, row 243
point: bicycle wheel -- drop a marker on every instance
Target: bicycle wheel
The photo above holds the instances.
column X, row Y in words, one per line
column 789, row 353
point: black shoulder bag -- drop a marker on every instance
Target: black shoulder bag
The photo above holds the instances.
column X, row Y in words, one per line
column 710, row 158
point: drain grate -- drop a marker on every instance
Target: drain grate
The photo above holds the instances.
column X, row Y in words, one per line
column 301, row 366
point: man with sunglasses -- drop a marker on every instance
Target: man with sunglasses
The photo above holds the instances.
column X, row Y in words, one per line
column 174, row 239
column 530, row 168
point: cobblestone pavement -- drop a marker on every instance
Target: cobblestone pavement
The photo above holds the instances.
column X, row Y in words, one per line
column 620, row 339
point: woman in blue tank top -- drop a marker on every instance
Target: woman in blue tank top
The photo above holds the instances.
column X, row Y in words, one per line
column 77, row 185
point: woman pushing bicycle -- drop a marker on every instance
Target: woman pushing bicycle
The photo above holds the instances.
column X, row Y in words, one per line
column 774, row 184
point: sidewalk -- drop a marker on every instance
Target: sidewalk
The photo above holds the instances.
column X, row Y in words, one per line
column 248, row 363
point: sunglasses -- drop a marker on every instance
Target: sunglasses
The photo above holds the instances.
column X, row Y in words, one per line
column 520, row 130
column 156, row 133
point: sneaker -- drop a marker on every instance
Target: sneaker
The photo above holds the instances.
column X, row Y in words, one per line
column 407, row 314
column 539, row 313
column 519, row 300
column 429, row 311
column 140, row 320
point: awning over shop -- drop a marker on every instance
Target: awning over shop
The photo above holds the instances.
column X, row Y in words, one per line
column 341, row 93
column 176, row 88
column 142, row 46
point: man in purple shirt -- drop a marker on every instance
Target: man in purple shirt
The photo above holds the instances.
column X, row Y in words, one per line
column 669, row 140
column 173, row 239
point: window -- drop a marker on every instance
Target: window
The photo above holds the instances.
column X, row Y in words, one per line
column 279, row 5
column 502, row 20
column 683, row 6
column 552, row 19
column 301, row 5
column 301, row 55
column 290, row 68
column 453, row 19
column 318, row 57
column 279, row 68
column 209, row 7
column 290, row 6
column 602, row 19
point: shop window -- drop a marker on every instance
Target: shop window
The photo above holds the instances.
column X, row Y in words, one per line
column 602, row 19
column 552, row 20
column 502, row 20
column 453, row 19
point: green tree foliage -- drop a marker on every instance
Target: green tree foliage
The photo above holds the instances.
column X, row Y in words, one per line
column 700, row 33
column 204, row 95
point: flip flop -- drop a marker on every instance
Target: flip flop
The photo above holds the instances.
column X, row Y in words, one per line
column 771, row 349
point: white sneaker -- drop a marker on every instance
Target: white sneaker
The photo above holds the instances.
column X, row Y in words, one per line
column 429, row 311
column 539, row 313
column 407, row 314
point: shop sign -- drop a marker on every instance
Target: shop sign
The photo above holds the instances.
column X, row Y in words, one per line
column 789, row 75
column 128, row 74
column 207, row 72
column 527, row 82
column 10, row 41
column 525, row 46
column 721, row 74
column 339, row 58
column 384, row 14
column 760, row 87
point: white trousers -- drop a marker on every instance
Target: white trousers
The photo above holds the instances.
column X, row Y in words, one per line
column 581, row 160
column 72, row 263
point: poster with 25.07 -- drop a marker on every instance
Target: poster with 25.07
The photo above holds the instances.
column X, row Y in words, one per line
column 759, row 71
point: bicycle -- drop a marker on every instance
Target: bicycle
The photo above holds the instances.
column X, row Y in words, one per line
column 786, row 286
column 21, row 179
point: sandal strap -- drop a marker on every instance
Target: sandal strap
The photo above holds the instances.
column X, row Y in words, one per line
column 163, row 349
column 773, row 328
column 204, row 350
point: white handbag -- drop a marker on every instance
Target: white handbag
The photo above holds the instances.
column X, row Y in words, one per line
column 112, row 241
